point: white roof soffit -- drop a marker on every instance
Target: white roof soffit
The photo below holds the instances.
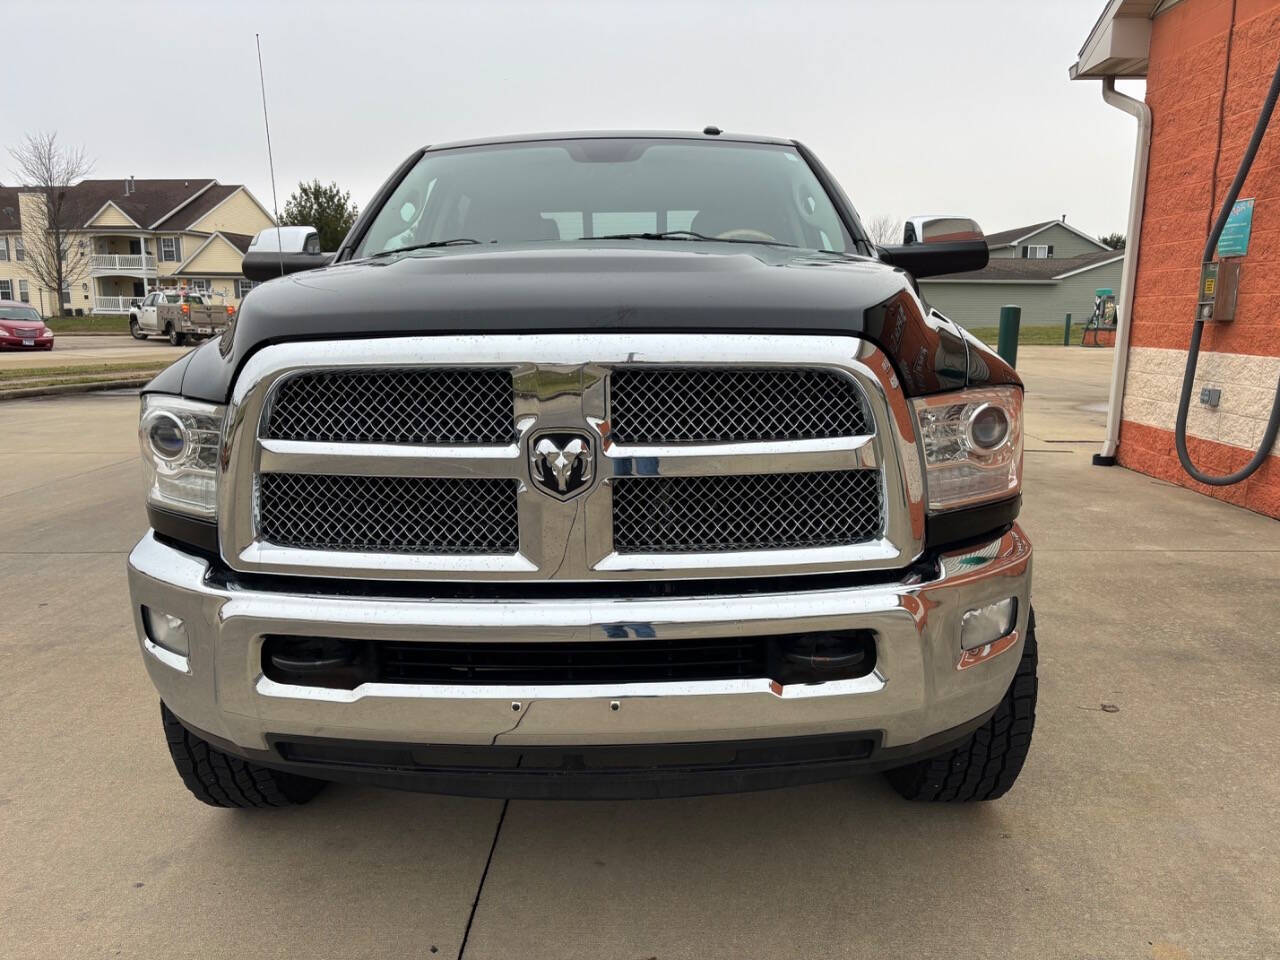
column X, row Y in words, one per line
column 1118, row 44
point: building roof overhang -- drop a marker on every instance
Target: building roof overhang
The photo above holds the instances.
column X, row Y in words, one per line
column 1119, row 42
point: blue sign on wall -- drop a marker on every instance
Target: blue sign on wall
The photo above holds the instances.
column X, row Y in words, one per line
column 1234, row 241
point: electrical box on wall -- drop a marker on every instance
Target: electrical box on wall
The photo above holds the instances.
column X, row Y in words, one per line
column 1219, row 284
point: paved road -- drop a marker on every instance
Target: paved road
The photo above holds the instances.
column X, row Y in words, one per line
column 1152, row 832
column 92, row 349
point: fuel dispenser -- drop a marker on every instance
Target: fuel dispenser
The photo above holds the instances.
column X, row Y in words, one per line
column 1104, row 306
column 1102, row 321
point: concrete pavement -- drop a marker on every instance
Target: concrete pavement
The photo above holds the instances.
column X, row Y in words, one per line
column 1149, row 832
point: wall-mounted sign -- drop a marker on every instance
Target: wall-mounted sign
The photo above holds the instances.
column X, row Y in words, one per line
column 1234, row 241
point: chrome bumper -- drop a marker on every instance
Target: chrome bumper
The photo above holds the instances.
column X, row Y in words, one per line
column 918, row 688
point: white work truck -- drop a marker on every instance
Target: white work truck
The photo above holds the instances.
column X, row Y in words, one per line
column 178, row 316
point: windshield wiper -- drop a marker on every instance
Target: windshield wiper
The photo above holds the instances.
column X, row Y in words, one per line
column 456, row 241
column 684, row 235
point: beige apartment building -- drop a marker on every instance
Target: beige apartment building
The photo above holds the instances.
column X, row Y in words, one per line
column 136, row 235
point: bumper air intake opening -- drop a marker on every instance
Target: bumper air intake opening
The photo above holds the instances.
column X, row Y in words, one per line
column 344, row 664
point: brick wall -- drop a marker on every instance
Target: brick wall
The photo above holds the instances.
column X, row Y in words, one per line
column 1189, row 86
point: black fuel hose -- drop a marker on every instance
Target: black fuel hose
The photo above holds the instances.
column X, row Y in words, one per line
column 1193, row 354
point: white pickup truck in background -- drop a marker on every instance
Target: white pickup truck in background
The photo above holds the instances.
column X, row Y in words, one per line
column 179, row 316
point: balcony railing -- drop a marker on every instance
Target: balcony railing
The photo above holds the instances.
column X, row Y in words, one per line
column 122, row 263
column 113, row 304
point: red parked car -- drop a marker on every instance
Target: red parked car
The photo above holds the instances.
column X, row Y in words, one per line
column 21, row 327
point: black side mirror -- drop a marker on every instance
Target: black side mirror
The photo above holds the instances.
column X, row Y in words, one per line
column 936, row 245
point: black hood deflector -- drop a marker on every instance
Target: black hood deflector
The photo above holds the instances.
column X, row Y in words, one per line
column 624, row 286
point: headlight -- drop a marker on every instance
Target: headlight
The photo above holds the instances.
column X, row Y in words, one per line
column 180, row 441
column 972, row 443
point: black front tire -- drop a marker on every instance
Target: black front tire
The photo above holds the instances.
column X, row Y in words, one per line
column 135, row 330
column 221, row 780
column 988, row 763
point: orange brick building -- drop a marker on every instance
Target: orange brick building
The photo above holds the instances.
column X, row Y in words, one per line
column 1208, row 64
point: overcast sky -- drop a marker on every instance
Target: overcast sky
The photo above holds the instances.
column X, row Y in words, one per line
column 917, row 106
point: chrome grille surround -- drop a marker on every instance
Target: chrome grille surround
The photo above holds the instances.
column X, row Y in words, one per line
column 560, row 383
column 710, row 405
column 424, row 406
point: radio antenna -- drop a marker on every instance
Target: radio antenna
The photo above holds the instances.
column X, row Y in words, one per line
column 271, row 163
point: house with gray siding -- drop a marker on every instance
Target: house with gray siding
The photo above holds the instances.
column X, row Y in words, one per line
column 1049, row 269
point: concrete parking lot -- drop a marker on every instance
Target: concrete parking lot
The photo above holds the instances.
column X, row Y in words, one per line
column 1149, row 829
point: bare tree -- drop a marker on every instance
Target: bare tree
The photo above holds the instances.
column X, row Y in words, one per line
column 884, row 230
column 56, row 257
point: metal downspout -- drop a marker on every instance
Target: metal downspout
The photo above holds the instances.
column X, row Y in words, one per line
column 1137, row 196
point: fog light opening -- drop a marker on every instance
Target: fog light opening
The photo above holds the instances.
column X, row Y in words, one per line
column 332, row 662
column 166, row 631
column 984, row 625
column 819, row 657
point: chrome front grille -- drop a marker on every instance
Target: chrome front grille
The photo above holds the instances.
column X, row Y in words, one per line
column 684, row 456
column 466, row 406
column 779, row 511
column 429, row 515
column 678, row 405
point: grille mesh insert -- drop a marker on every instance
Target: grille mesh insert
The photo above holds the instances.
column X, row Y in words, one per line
column 752, row 512
column 428, row 515
column 455, row 406
column 676, row 405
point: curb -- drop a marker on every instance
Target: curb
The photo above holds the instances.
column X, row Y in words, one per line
column 58, row 389
column 91, row 333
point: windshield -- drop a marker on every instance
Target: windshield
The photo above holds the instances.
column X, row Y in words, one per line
column 19, row 313
column 567, row 190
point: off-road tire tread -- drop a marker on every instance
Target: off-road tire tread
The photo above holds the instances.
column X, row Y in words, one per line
column 987, row 765
column 221, row 780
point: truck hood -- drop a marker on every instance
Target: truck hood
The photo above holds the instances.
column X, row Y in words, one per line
column 634, row 286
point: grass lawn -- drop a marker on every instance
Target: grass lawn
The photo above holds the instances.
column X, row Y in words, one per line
column 9, row 388
column 99, row 324
column 90, row 371
column 1040, row 335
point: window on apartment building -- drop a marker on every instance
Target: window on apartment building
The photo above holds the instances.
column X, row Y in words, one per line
column 243, row 287
column 4, row 248
column 170, row 249
column 66, row 295
column 19, row 251
column 6, row 289
column 1037, row 251
column 24, row 291
column 198, row 285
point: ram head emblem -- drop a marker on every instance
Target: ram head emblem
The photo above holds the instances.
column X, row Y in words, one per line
column 562, row 462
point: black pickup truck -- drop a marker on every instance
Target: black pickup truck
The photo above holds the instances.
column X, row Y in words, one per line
column 592, row 465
